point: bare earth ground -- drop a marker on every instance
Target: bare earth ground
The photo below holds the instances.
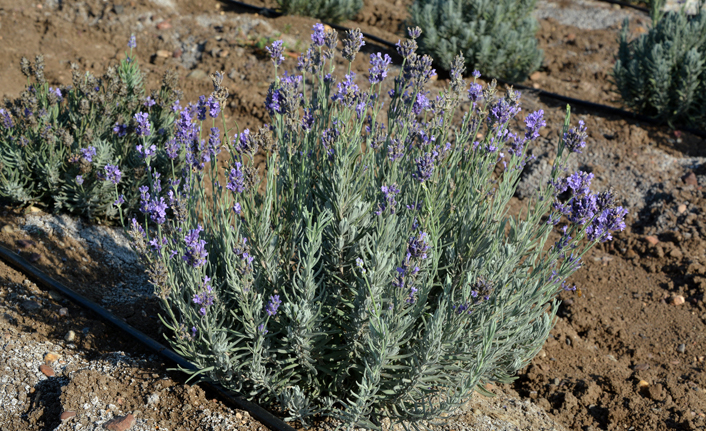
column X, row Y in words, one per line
column 623, row 354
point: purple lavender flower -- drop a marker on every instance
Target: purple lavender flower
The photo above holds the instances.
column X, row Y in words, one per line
column 172, row 148
column 176, row 106
column 119, row 201
column 273, row 305
column 237, row 208
column 609, row 220
column 421, row 103
column 389, row 193
column 132, row 43
column 79, row 180
column 425, row 166
column 329, row 139
column 88, row 153
column 262, row 329
column 395, row 150
column 272, row 101
column 580, row 182
column 214, row 141
column 214, row 108
column 276, row 51
column 149, row 102
column 202, row 108
column 145, row 151
column 414, row 32
column 475, row 93
column 582, row 208
column 318, row 37
column 112, row 174
column 120, row 129
column 378, row 67
column 143, row 126
column 6, row 119
column 575, row 139
column 57, row 92
column 158, row 210
column 418, row 246
column 348, row 91
column 204, row 298
column 534, row 122
column 359, row 265
column 352, row 44
column 195, row 248
column 476, row 74
column 501, row 112
column 308, row 119
column 236, row 179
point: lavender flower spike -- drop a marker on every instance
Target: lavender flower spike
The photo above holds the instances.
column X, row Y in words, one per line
column 273, row 305
column 276, row 51
column 143, row 127
column 112, row 174
column 319, row 35
column 132, row 43
column 352, row 44
column 378, row 67
column 195, row 248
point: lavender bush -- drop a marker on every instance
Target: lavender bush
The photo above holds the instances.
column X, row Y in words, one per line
column 662, row 73
column 374, row 272
column 333, row 11
column 497, row 37
column 57, row 144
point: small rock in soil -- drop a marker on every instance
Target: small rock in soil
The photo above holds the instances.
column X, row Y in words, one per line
column 121, row 423
column 7, row 229
column 67, row 415
column 70, row 336
column 63, row 311
column 678, row 300
column 690, row 179
column 656, row 392
column 642, row 367
column 681, row 348
column 164, row 53
column 164, row 25
column 46, row 370
column 652, row 239
column 34, row 257
column 153, row 399
column 681, row 208
column 50, row 357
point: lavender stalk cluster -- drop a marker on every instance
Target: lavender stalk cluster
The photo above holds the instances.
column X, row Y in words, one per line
column 346, row 280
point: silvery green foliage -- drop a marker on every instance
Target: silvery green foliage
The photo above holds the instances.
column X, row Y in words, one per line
column 55, row 142
column 374, row 272
column 663, row 73
column 497, row 37
column 333, row 11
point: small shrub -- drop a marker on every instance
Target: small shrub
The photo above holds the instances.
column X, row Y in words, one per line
column 333, row 11
column 497, row 37
column 56, row 143
column 376, row 273
column 662, row 73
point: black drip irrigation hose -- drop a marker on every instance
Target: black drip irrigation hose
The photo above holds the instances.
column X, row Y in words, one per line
column 628, row 5
column 19, row 263
column 270, row 13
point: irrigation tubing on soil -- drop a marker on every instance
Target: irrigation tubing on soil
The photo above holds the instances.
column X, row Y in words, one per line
column 270, row 13
column 19, row 263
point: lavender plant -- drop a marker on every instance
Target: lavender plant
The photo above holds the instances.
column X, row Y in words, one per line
column 57, row 144
column 495, row 37
column 663, row 73
column 333, row 11
column 374, row 272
